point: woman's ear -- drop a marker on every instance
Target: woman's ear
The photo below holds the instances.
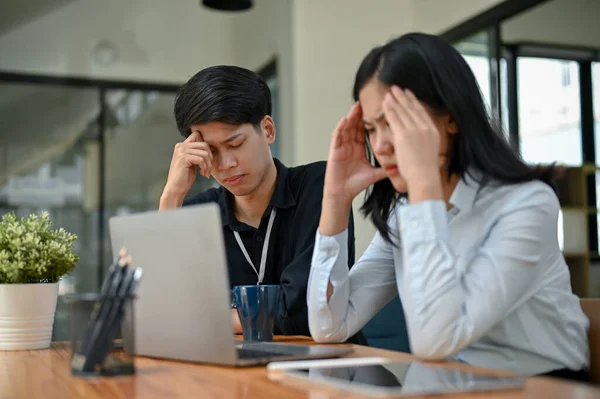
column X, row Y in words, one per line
column 451, row 126
column 268, row 128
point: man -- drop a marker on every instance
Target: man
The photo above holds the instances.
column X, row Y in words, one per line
column 270, row 213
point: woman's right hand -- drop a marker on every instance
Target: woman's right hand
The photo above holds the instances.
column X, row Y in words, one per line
column 348, row 172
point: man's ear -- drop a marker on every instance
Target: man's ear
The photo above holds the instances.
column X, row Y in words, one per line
column 267, row 126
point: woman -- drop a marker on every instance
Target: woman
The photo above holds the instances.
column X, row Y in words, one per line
column 467, row 232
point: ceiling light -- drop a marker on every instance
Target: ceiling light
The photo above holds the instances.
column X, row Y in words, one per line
column 228, row 5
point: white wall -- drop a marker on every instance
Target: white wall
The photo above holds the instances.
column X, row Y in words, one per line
column 157, row 40
column 330, row 38
column 260, row 35
column 435, row 16
column 563, row 22
column 14, row 13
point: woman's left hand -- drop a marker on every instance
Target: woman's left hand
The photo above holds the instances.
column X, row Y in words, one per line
column 416, row 142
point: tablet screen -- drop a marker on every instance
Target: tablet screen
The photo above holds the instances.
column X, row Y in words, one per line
column 371, row 375
column 408, row 378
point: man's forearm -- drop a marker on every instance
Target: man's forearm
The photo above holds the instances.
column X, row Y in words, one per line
column 235, row 320
column 169, row 201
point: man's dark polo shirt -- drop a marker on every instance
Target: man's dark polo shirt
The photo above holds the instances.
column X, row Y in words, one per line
column 297, row 200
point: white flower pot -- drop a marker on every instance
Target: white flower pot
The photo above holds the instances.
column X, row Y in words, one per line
column 27, row 315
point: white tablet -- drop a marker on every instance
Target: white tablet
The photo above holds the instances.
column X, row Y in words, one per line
column 381, row 377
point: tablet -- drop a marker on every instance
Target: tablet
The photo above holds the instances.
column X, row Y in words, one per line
column 381, row 377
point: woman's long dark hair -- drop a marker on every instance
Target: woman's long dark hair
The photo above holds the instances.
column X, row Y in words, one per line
column 440, row 77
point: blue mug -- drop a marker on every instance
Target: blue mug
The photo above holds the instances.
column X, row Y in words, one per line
column 257, row 306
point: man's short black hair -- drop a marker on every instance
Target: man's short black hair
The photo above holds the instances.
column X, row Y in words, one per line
column 222, row 93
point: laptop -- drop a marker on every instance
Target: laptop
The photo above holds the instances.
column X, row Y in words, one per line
column 183, row 307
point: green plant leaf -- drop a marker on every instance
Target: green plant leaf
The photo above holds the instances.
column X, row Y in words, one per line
column 32, row 252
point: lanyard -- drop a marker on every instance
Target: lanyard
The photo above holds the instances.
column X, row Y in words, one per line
column 263, row 258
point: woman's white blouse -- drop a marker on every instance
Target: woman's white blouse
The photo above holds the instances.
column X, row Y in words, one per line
column 484, row 282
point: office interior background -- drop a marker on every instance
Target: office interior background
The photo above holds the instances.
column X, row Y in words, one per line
column 87, row 90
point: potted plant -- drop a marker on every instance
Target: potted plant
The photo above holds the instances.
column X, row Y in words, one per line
column 33, row 258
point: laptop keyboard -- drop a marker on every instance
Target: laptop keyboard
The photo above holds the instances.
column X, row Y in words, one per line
column 254, row 354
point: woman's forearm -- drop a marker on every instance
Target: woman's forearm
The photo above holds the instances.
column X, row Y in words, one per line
column 335, row 213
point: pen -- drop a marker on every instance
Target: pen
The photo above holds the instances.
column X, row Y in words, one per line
column 99, row 322
column 113, row 320
column 110, row 275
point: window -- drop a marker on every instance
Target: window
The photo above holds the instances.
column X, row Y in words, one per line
column 596, row 99
column 480, row 66
column 596, row 105
column 549, row 110
column 58, row 168
column 475, row 51
column 504, row 108
column 49, row 163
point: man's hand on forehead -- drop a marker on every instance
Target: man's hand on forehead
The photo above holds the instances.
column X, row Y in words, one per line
column 194, row 136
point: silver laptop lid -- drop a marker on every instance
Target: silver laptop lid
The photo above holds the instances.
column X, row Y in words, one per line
column 182, row 310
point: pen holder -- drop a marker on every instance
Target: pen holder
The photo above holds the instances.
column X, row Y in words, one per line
column 109, row 353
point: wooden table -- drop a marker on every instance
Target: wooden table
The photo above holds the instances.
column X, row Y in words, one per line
column 46, row 374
